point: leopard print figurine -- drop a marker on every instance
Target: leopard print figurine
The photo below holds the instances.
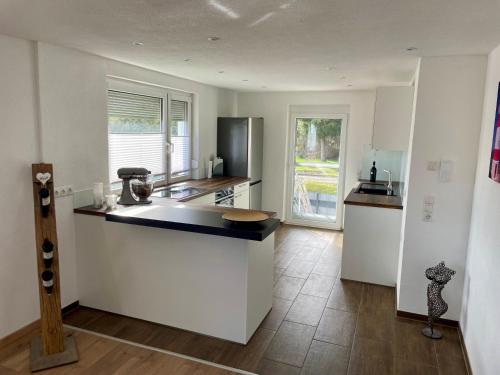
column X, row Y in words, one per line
column 439, row 276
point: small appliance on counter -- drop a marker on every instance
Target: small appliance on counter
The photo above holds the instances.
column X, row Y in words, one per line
column 140, row 186
column 218, row 167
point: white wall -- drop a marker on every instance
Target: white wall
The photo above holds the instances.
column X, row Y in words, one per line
column 481, row 305
column 274, row 107
column 71, row 88
column 19, row 149
column 447, row 122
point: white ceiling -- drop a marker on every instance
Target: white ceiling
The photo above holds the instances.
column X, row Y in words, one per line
column 274, row 44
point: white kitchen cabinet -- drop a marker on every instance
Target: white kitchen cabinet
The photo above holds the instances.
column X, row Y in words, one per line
column 204, row 199
column 371, row 244
column 393, row 112
column 242, row 199
column 242, row 187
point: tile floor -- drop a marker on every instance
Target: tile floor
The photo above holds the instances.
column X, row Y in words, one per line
column 319, row 324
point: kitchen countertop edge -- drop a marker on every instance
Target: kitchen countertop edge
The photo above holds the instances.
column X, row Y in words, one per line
column 373, row 200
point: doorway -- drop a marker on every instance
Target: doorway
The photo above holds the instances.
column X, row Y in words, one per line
column 316, row 173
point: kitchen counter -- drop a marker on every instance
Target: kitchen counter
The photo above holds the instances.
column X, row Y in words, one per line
column 209, row 185
column 206, row 220
column 373, row 200
column 372, row 229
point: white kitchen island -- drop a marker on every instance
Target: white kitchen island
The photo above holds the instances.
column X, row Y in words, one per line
column 178, row 266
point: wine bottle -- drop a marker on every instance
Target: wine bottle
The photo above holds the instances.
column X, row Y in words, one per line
column 373, row 173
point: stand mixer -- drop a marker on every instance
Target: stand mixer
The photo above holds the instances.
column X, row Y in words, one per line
column 128, row 174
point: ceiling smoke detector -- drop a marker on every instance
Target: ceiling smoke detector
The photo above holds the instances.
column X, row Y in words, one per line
column 411, row 49
column 188, row 59
column 213, row 38
column 138, row 44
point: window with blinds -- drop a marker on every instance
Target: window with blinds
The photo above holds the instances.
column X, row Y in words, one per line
column 136, row 137
column 180, row 138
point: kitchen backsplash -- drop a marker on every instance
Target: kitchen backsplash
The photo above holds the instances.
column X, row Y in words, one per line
column 394, row 161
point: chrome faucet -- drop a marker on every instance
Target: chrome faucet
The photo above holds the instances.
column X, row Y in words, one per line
column 389, row 185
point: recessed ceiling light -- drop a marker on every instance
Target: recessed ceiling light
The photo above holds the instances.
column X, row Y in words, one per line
column 349, row 85
column 213, row 38
column 263, row 87
column 330, row 68
column 245, row 80
column 220, row 71
column 186, row 60
column 410, row 49
column 138, row 43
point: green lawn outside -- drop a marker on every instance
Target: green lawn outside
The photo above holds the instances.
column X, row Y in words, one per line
column 320, row 187
column 302, row 160
column 316, row 171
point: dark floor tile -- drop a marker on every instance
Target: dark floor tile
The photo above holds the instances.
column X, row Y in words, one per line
column 277, row 273
column 327, row 268
column 318, row 285
column 277, row 313
column 288, row 287
column 403, row 367
column 138, row 331
column 283, row 259
column 326, row 359
column 336, row 327
column 449, row 352
column 306, row 310
column 247, row 357
column 268, row 367
column 82, row 316
column 164, row 337
column 411, row 345
column 346, row 296
column 107, row 323
column 309, row 253
column 291, row 246
column 378, row 297
column 291, row 343
column 199, row 346
column 299, row 268
column 377, row 325
column 370, row 357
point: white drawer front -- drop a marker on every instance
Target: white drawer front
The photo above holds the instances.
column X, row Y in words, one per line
column 241, row 187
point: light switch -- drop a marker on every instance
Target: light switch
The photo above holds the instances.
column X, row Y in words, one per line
column 433, row 165
column 446, row 170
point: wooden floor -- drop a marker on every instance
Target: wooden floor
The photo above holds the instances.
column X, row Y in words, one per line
column 318, row 324
column 104, row 356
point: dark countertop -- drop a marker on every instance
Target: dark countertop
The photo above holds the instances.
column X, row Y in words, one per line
column 373, row 200
column 192, row 219
column 209, row 185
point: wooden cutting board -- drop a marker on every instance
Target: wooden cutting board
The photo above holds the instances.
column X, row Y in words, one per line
column 247, row 216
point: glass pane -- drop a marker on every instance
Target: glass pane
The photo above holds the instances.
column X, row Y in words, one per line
column 180, row 138
column 133, row 113
column 316, row 173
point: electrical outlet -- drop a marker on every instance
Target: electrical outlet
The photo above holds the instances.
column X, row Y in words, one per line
column 62, row 191
column 433, row 165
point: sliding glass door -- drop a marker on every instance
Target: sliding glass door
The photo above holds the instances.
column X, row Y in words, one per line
column 315, row 178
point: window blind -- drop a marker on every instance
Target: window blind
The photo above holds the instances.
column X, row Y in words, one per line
column 136, row 137
column 180, row 137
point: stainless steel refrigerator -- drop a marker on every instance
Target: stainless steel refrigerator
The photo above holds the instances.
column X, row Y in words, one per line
column 240, row 144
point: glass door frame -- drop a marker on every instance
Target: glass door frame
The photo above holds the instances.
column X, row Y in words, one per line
column 339, row 214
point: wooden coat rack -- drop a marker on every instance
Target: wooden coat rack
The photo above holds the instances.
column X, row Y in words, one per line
column 54, row 347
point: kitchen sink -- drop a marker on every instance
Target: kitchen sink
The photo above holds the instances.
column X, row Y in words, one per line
column 372, row 188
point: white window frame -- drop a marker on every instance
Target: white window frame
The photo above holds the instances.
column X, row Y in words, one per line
column 290, row 174
column 166, row 94
column 189, row 99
